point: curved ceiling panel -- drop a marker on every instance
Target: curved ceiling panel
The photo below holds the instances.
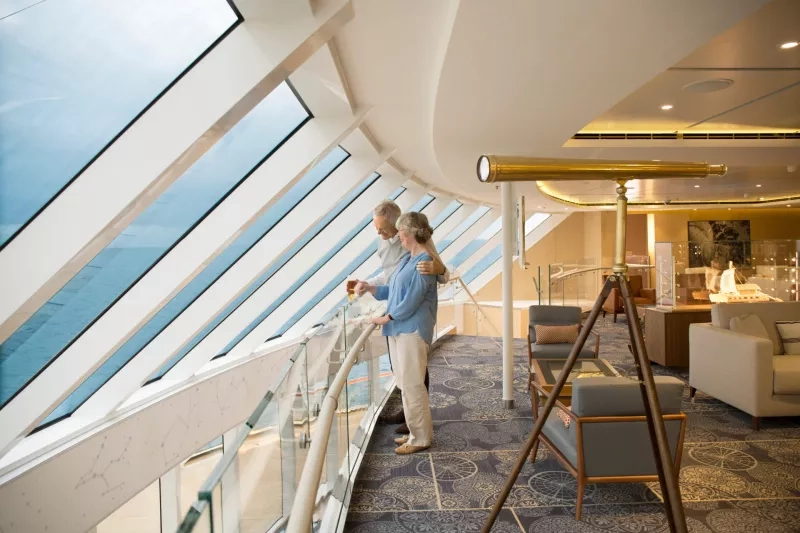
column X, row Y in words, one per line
column 522, row 77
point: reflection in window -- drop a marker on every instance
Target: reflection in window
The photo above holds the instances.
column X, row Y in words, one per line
column 74, row 74
column 203, row 281
column 359, row 260
column 459, row 230
column 148, row 238
column 497, row 252
column 261, row 280
column 476, row 243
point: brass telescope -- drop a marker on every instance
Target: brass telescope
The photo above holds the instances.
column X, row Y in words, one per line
column 494, row 168
column 497, row 168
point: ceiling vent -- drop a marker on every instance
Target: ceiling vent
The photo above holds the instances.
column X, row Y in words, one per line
column 761, row 136
column 708, row 86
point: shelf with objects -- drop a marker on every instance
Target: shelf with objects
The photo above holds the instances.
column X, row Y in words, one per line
column 701, row 273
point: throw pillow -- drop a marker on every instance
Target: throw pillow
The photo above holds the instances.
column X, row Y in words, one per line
column 556, row 334
column 563, row 416
column 749, row 325
column 790, row 335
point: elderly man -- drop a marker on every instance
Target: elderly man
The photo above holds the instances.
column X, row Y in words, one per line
column 390, row 253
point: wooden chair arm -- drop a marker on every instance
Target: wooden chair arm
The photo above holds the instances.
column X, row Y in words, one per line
column 558, row 404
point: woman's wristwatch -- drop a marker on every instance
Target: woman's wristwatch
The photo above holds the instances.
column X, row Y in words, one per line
column 390, row 317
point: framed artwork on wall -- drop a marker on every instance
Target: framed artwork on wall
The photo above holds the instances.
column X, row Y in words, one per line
column 714, row 243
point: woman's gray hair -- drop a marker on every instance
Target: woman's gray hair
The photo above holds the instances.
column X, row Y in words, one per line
column 388, row 210
column 415, row 224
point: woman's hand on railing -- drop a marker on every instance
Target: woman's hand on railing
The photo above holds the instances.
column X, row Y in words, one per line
column 380, row 320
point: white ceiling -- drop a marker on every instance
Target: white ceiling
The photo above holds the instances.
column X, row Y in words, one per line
column 449, row 80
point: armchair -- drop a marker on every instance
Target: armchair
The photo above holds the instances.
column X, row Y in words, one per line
column 607, row 440
column 613, row 303
column 555, row 315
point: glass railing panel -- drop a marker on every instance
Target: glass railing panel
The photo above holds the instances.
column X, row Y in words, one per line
column 197, row 519
column 261, row 469
column 258, row 472
column 195, row 470
column 62, row 106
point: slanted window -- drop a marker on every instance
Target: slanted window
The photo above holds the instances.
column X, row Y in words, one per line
column 459, row 230
column 75, row 74
column 279, row 263
column 357, row 262
column 201, row 282
column 497, row 252
column 476, row 243
column 140, row 246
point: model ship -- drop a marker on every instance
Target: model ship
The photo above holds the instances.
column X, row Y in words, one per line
column 732, row 292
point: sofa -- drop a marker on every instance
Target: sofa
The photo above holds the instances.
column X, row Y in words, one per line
column 746, row 368
column 641, row 296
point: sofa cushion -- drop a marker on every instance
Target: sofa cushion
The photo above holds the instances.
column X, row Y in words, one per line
column 789, row 332
column 768, row 312
column 556, row 334
column 750, row 325
column 786, row 372
column 559, row 351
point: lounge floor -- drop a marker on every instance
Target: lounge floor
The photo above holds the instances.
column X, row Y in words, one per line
column 733, row 479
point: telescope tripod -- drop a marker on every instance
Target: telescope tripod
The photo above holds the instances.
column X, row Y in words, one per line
column 667, row 476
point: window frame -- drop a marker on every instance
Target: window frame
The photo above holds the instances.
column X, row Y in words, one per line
column 239, row 19
column 165, row 253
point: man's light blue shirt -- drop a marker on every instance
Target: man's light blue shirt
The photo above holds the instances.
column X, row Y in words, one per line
column 412, row 300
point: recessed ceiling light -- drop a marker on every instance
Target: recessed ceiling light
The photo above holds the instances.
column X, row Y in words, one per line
column 666, row 107
column 729, row 209
column 788, row 205
column 541, row 207
column 759, row 185
column 696, row 186
column 761, row 199
column 566, row 209
column 790, row 44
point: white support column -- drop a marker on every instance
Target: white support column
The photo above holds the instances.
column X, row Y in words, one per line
column 170, row 493
column 507, row 213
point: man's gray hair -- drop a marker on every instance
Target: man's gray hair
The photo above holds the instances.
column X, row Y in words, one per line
column 388, row 210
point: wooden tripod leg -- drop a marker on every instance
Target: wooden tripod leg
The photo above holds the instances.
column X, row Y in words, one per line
column 670, row 490
column 548, row 406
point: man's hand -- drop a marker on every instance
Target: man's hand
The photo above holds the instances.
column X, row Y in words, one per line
column 381, row 320
column 361, row 287
column 435, row 267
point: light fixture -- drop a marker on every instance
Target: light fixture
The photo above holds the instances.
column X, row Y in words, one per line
column 696, row 186
column 790, row 44
column 759, row 185
column 788, row 205
column 540, row 206
column 761, row 199
column 666, row 107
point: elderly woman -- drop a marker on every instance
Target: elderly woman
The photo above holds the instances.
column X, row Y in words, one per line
column 408, row 324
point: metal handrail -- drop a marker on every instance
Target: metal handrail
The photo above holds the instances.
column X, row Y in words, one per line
column 302, row 512
column 477, row 305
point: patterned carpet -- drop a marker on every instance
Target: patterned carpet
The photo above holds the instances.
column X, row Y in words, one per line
column 733, row 479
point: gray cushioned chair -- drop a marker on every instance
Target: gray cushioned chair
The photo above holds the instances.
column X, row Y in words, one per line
column 607, row 440
column 555, row 315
